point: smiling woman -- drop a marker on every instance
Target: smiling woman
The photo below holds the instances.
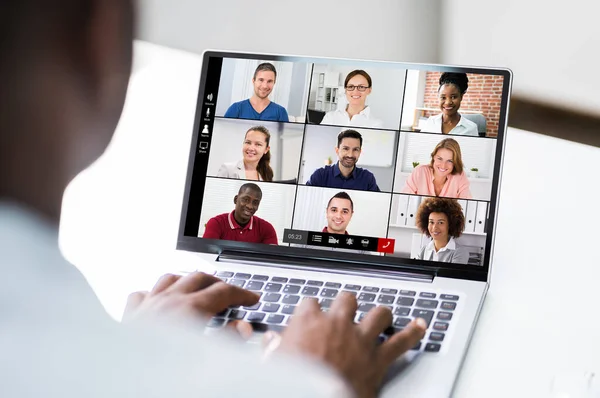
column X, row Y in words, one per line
column 256, row 158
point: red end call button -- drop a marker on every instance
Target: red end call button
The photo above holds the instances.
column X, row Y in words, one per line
column 385, row 245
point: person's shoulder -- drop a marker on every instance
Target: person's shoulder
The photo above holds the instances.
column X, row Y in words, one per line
column 220, row 218
column 422, row 169
column 364, row 172
column 262, row 223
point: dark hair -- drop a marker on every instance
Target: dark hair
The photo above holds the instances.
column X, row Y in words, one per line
column 452, row 145
column 349, row 134
column 251, row 186
column 450, row 207
column 342, row 195
column 358, row 72
column 264, row 164
column 460, row 80
column 265, row 66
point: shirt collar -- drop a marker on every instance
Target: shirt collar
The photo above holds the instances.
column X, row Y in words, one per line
column 451, row 245
column 234, row 225
column 325, row 230
column 337, row 172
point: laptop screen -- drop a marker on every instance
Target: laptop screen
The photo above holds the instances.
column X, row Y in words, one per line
column 391, row 163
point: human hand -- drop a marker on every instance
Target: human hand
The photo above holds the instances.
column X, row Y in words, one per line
column 188, row 297
column 353, row 350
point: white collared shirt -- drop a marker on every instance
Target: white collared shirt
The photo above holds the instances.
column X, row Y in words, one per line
column 341, row 118
column 463, row 127
column 431, row 253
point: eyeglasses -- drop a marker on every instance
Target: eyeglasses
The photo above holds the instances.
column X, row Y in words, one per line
column 351, row 87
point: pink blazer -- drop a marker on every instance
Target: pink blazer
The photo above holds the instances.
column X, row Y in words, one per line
column 420, row 182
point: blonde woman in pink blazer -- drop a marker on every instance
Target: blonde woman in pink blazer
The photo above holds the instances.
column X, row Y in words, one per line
column 443, row 176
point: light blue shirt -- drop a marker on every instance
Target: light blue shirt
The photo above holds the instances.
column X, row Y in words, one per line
column 244, row 110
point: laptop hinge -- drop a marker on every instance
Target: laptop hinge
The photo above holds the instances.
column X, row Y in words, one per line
column 325, row 265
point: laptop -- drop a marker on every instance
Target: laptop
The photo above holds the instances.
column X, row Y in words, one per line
column 392, row 195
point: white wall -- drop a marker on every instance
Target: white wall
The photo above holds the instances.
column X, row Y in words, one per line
column 371, row 210
column 553, row 48
column 228, row 137
column 383, row 29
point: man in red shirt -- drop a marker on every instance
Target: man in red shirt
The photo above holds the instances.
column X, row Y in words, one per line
column 241, row 224
column 339, row 213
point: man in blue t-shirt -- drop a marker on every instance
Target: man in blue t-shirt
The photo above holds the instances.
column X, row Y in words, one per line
column 259, row 106
column 344, row 173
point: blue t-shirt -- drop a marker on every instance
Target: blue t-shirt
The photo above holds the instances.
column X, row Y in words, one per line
column 244, row 110
column 331, row 177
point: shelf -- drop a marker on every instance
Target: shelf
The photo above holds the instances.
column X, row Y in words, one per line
column 416, row 229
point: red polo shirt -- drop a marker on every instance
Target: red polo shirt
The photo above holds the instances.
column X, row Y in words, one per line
column 325, row 230
column 225, row 227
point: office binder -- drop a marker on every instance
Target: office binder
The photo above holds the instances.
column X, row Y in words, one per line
column 413, row 206
column 402, row 201
column 470, row 216
column 481, row 217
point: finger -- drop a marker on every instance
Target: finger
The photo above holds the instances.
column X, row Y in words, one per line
column 164, row 282
column 133, row 302
column 270, row 342
column 402, row 341
column 375, row 322
column 193, row 282
column 242, row 328
column 344, row 306
column 308, row 306
column 219, row 296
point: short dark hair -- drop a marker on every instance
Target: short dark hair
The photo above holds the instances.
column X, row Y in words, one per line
column 450, row 207
column 358, row 72
column 342, row 195
column 251, row 186
column 349, row 134
column 460, row 80
column 265, row 66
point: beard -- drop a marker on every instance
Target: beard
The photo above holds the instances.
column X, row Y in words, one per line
column 348, row 162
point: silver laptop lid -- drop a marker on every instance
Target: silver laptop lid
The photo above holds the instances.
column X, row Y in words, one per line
column 373, row 166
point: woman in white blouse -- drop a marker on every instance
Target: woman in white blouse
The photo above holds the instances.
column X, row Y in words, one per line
column 358, row 86
column 256, row 158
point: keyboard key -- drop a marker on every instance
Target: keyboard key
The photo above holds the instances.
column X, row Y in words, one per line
column 385, row 299
column 288, row 309
column 237, row 314
column 279, row 279
column 237, row 282
column 314, row 283
column 405, row 301
column 401, row 322
column 291, row 289
column 351, row 292
column 444, row 316
column 402, row 311
column 329, row 293
column 215, row 322
column 441, row 326
column 369, row 297
column 334, row 285
column 288, row 320
column 427, row 295
column 241, row 275
column 254, row 285
column 223, row 278
column 432, row 347
column 225, row 274
column 260, row 277
column 275, row 318
column 273, row 287
column 253, row 307
column 361, row 316
column 310, row 291
column 430, row 304
column 448, row 305
column 290, row 299
column 452, row 297
column 435, row 336
column 388, row 307
column 370, row 289
column 326, row 303
column 255, row 317
column 297, row 281
column 365, row 307
column 223, row 314
column 417, row 347
column 259, row 327
column 425, row 314
column 389, row 291
column 271, row 297
column 352, row 287
column 410, row 293
column 270, row 307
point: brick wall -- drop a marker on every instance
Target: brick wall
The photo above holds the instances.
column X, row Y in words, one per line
column 484, row 94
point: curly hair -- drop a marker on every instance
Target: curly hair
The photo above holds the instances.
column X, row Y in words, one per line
column 450, row 207
column 460, row 80
column 452, row 145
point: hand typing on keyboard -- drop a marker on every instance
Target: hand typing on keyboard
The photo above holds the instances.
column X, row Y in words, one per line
column 196, row 294
column 349, row 348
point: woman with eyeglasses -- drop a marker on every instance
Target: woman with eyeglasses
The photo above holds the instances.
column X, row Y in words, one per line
column 357, row 85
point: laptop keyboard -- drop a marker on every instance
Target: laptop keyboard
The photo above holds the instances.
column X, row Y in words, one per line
column 279, row 297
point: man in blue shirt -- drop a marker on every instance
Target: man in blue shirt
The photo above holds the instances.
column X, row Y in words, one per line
column 259, row 106
column 344, row 173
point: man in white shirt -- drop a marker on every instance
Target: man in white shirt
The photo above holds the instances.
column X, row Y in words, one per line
column 64, row 67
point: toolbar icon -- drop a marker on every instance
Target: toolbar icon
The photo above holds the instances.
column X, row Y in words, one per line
column 203, row 145
column 210, row 97
column 208, row 112
column 205, row 129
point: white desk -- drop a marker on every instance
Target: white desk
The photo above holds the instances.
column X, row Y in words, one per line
column 121, row 219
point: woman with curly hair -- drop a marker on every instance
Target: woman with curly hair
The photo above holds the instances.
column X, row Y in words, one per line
column 443, row 221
